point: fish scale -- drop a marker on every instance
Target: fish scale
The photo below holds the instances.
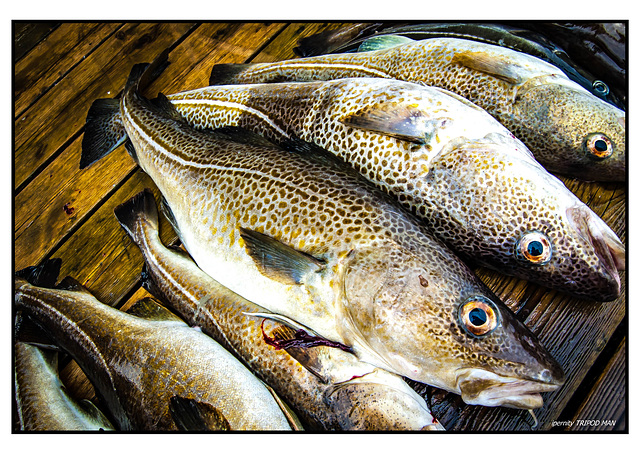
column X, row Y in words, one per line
column 536, row 101
column 322, row 398
column 474, row 185
column 315, row 242
column 138, row 363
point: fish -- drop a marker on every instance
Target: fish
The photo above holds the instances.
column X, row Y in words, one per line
column 328, row 387
column 43, row 403
column 309, row 238
column 569, row 130
column 519, row 38
column 138, row 360
column 473, row 184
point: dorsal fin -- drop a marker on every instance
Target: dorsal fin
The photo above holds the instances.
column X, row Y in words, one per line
column 149, row 308
column 500, row 67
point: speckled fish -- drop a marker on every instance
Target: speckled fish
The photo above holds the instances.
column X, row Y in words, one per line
column 312, row 240
column 43, row 403
column 328, row 387
column 569, row 130
column 474, row 185
column 349, row 38
column 138, row 363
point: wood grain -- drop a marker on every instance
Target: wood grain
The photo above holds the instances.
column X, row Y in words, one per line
column 61, row 211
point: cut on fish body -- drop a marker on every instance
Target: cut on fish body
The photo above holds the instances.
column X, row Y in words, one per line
column 368, row 295
column 368, row 398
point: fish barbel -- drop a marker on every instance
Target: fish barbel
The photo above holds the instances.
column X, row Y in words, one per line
column 312, row 240
column 475, row 186
column 138, row 363
column 42, row 400
column 569, row 130
column 328, row 387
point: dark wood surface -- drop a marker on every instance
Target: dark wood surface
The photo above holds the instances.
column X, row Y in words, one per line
column 61, row 211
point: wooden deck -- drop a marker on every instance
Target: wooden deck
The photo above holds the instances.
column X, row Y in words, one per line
column 60, row 211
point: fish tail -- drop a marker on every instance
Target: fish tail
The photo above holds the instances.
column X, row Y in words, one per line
column 103, row 131
column 45, row 275
column 136, row 213
column 227, row 73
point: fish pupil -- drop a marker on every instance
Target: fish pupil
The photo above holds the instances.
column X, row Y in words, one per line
column 477, row 317
column 600, row 145
column 535, row 248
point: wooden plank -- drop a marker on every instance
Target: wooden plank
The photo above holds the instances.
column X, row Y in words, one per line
column 605, row 406
column 61, row 112
column 95, row 250
column 26, row 35
column 53, row 57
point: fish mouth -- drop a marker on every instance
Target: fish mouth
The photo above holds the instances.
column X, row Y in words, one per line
column 485, row 388
column 606, row 245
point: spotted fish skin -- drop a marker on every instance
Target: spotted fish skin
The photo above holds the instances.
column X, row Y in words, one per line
column 138, row 364
column 554, row 116
column 342, row 393
column 312, row 240
column 42, row 400
column 474, row 185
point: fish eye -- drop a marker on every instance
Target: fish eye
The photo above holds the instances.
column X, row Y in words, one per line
column 598, row 146
column 478, row 316
column 600, row 87
column 534, row 247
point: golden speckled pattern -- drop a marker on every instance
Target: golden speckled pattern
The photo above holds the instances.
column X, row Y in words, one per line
column 476, row 187
column 551, row 114
column 222, row 314
column 371, row 292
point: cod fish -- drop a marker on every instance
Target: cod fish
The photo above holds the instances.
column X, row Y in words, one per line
column 138, row 363
column 349, row 38
column 328, row 387
column 569, row 130
column 42, row 400
column 477, row 188
column 310, row 239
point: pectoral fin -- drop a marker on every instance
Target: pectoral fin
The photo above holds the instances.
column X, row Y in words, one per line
column 402, row 122
column 496, row 66
column 191, row 415
column 278, row 261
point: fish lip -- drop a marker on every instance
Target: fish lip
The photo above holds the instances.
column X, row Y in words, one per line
column 606, row 245
column 504, row 391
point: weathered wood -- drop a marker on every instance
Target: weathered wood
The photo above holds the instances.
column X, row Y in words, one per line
column 61, row 112
column 53, row 57
column 26, row 35
column 63, row 212
column 605, row 406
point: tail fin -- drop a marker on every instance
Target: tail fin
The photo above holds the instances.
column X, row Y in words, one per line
column 227, row 73
column 103, row 131
column 141, row 207
column 44, row 275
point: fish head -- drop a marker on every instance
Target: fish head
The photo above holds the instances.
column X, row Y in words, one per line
column 431, row 320
column 508, row 213
column 571, row 131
